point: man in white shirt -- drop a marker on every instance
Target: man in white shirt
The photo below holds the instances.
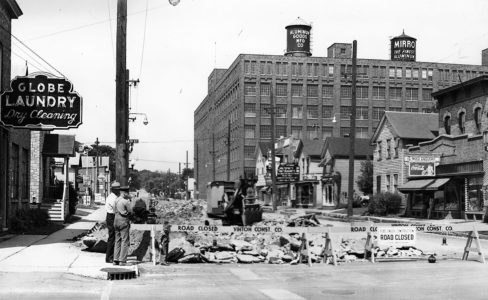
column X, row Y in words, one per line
column 110, row 208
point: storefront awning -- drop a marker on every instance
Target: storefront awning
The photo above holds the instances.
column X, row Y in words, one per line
column 423, row 185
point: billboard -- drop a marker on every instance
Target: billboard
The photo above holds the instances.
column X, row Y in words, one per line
column 421, row 165
column 40, row 102
column 288, row 172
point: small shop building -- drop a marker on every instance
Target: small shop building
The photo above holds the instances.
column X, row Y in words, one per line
column 447, row 175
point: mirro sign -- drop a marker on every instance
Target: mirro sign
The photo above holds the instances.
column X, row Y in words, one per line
column 41, row 102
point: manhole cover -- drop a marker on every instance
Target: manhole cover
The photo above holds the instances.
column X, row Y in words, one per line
column 338, row 292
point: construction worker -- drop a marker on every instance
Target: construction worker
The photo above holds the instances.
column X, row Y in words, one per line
column 164, row 243
column 110, row 209
column 123, row 214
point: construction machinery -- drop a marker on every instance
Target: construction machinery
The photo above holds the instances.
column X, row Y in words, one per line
column 234, row 203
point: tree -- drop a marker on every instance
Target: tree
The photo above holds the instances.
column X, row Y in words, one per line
column 105, row 150
column 365, row 178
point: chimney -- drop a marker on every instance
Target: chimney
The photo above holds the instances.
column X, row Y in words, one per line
column 484, row 57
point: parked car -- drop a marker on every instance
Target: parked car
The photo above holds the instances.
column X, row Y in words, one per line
column 364, row 200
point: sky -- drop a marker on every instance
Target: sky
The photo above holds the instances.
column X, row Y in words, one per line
column 173, row 49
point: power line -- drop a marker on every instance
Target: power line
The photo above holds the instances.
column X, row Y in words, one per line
column 111, row 31
column 23, row 44
column 143, row 40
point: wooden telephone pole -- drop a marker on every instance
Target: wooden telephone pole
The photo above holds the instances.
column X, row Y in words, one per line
column 352, row 133
column 121, row 101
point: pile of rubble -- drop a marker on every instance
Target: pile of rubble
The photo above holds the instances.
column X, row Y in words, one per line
column 239, row 247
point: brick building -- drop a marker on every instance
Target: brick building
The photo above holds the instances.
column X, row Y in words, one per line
column 14, row 143
column 395, row 133
column 458, row 156
column 308, row 93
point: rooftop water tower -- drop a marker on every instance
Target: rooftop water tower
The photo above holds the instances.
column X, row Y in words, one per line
column 298, row 35
column 403, row 48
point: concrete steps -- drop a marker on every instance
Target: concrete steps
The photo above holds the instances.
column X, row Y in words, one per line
column 55, row 210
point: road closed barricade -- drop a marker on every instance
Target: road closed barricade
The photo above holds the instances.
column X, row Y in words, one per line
column 377, row 234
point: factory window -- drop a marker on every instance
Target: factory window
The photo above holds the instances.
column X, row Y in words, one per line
column 391, row 72
column 249, row 131
column 297, row 112
column 378, row 113
column 296, row 90
column 345, row 131
column 281, row 89
column 424, row 73
column 262, row 67
column 247, row 67
column 249, row 151
column 346, row 92
column 477, row 119
column 426, row 110
column 447, row 124
column 313, row 132
column 393, row 108
column 327, row 111
column 415, row 74
column 312, row 91
column 265, row 89
column 269, row 68
column 265, row 131
column 253, row 67
column 361, row 132
column 312, row 112
column 346, row 71
column 399, row 73
column 296, row 132
column 395, row 93
column 426, row 94
column 345, row 112
column 362, row 92
column 411, row 94
column 363, row 72
column 249, row 89
column 327, row 91
column 280, row 68
column 326, row 132
column 379, row 93
column 429, row 75
column 412, row 109
column 249, row 110
column 461, row 121
column 281, row 111
column 362, row 112
column 312, row 70
column 331, row 71
column 265, row 109
column 281, row 131
column 408, row 73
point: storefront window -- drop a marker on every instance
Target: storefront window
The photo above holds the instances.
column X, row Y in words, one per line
column 475, row 196
column 453, row 194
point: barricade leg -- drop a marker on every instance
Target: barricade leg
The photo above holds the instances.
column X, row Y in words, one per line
column 369, row 247
column 329, row 249
column 304, row 247
column 153, row 244
column 473, row 235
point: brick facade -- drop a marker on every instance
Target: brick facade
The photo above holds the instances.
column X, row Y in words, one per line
column 310, row 91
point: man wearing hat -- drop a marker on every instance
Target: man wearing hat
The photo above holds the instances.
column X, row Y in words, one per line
column 123, row 211
column 110, row 209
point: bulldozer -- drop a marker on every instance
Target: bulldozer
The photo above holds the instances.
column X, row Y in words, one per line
column 233, row 203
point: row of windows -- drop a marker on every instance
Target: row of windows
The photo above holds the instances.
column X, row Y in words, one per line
column 365, row 71
column 312, row 132
column 461, row 118
column 387, row 151
column 312, row 111
column 391, row 183
column 362, row 92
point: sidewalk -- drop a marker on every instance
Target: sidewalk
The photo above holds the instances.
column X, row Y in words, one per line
column 55, row 252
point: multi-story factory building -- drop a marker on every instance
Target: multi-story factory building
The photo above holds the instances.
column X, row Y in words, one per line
column 312, row 97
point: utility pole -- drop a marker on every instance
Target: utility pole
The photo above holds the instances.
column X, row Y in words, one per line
column 272, row 112
column 121, row 103
column 197, row 167
column 352, row 132
column 187, row 176
column 96, row 174
column 213, row 156
column 228, row 150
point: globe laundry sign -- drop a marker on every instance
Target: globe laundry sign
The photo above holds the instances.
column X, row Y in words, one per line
column 40, row 102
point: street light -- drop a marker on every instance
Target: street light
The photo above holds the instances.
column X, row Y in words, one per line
column 132, row 119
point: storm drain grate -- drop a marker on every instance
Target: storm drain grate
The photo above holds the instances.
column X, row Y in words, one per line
column 119, row 273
